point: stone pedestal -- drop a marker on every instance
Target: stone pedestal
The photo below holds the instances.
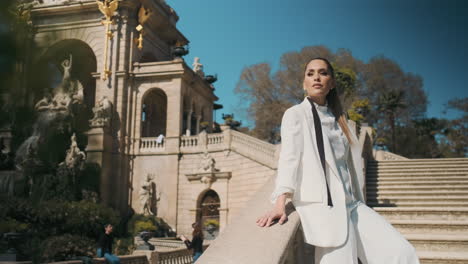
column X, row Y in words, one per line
column 99, row 152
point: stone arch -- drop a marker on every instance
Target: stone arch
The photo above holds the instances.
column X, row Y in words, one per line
column 49, row 71
column 208, row 205
column 153, row 113
column 93, row 37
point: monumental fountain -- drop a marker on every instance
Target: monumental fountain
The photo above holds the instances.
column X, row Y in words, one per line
column 49, row 163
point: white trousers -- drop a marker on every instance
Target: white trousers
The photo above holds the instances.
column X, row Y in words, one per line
column 371, row 239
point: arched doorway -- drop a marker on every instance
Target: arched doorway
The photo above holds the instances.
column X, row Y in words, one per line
column 154, row 114
column 208, row 213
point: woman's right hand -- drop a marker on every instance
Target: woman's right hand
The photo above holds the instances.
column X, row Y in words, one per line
column 272, row 215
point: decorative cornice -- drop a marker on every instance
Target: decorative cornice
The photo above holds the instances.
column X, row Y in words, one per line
column 208, row 177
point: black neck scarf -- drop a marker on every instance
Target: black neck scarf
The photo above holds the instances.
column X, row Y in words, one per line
column 319, row 139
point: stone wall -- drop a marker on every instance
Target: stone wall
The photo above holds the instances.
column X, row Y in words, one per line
column 247, row 176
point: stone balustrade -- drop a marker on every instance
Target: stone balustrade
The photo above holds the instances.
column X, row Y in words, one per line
column 256, row 149
column 149, row 144
column 387, row 155
column 188, row 142
column 214, row 139
column 253, row 148
column 128, row 259
column 244, row 242
column 178, row 256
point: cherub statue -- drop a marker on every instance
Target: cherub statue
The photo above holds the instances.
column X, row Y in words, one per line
column 198, row 67
column 66, row 64
column 102, row 111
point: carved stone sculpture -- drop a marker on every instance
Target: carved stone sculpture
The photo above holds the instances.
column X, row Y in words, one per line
column 198, row 67
column 75, row 157
column 102, row 113
column 148, row 197
column 208, row 163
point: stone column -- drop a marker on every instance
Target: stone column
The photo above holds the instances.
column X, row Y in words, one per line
column 99, row 152
column 198, row 123
column 189, row 123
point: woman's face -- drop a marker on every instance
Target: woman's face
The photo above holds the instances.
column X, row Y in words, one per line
column 318, row 80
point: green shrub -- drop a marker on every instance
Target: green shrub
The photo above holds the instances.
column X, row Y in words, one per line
column 144, row 226
column 52, row 218
column 124, row 246
column 55, row 230
column 11, row 225
column 67, row 246
column 139, row 222
column 213, row 222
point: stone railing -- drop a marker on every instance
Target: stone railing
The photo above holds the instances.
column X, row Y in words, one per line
column 244, row 242
column 151, row 144
column 162, row 244
column 248, row 146
column 214, row 139
column 381, row 155
column 129, row 259
column 188, row 141
column 178, row 256
column 255, row 149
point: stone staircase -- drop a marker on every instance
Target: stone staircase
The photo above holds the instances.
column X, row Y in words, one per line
column 427, row 201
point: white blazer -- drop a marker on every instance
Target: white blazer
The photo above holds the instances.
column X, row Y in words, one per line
column 300, row 172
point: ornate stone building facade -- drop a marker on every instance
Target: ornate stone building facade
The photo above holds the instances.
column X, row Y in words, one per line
column 145, row 130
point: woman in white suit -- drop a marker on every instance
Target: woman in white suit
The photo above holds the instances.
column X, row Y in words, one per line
column 320, row 168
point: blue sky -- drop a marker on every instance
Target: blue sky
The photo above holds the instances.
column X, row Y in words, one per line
column 426, row 37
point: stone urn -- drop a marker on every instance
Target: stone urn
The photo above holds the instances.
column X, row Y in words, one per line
column 179, row 51
column 211, row 78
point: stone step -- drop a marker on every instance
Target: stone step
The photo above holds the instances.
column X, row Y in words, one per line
column 439, row 243
column 432, row 193
column 409, row 204
column 373, row 188
column 442, row 257
column 423, row 213
column 419, row 167
column 417, row 173
column 420, row 179
column 423, row 162
column 439, row 227
column 413, row 161
column 417, row 184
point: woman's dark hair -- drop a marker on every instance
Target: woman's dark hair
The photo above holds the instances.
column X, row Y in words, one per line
column 197, row 230
column 333, row 100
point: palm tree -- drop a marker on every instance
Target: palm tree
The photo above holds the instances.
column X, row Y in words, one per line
column 389, row 103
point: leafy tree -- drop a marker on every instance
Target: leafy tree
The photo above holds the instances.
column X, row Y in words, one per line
column 387, row 87
column 389, row 104
column 265, row 95
column 359, row 110
column 455, row 140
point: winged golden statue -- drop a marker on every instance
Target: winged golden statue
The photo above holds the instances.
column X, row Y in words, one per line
column 108, row 8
